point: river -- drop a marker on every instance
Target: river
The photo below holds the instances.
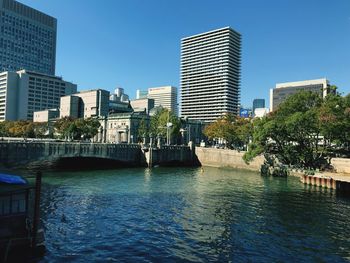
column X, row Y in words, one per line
column 190, row 215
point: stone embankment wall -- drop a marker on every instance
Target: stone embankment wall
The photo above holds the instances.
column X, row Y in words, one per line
column 226, row 158
column 341, row 165
column 230, row 158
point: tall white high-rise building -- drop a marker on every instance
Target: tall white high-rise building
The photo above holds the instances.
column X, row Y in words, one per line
column 210, row 74
column 27, row 39
column 165, row 96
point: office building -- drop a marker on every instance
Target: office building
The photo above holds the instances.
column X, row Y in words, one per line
column 27, row 39
column 210, row 74
column 141, row 94
column 283, row 90
column 258, row 103
column 85, row 104
column 23, row 92
column 142, row 105
column 165, row 96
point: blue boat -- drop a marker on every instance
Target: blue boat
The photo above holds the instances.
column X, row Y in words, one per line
column 20, row 236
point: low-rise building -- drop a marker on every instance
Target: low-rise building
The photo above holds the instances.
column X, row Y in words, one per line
column 143, row 104
column 46, row 115
column 260, row 112
column 123, row 127
column 85, row 104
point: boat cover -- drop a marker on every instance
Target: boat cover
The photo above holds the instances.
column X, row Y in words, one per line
column 12, row 179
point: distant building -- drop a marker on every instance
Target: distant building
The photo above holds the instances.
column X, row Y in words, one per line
column 260, row 112
column 27, row 39
column 85, row 104
column 143, row 104
column 210, row 74
column 141, row 94
column 23, row 92
column 119, row 96
column 46, row 115
column 165, row 96
column 258, row 103
column 283, row 90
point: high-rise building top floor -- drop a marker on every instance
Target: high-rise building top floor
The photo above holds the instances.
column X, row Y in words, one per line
column 210, row 74
column 27, row 38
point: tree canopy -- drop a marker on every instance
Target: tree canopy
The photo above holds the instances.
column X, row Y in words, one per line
column 303, row 131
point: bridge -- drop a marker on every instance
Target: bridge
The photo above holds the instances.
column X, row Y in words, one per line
column 22, row 153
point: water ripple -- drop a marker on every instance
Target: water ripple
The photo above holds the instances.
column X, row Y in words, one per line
column 184, row 215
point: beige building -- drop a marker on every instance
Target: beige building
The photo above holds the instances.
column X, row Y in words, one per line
column 46, row 115
column 24, row 92
column 123, row 127
column 85, row 104
column 143, row 104
column 165, row 96
column 283, row 90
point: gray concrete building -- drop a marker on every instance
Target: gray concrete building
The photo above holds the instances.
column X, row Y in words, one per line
column 23, row 92
column 46, row 115
column 210, row 74
column 27, row 39
column 283, row 90
column 143, row 104
column 85, row 104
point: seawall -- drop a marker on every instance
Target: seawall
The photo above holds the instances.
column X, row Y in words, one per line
column 226, row 158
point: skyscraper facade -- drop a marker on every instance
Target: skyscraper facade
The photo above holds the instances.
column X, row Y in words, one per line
column 165, row 96
column 24, row 92
column 210, row 74
column 27, row 39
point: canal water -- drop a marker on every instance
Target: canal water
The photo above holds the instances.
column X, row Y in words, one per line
column 191, row 215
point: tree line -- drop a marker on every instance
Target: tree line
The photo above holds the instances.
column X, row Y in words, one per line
column 64, row 128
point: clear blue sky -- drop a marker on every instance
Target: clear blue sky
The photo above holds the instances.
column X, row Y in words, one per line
column 135, row 44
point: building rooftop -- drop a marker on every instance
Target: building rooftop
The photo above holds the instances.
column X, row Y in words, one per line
column 209, row 32
column 301, row 83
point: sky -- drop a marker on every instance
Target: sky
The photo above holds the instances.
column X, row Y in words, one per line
column 135, row 44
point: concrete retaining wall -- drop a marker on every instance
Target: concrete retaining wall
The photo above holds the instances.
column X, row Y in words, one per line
column 226, row 158
column 229, row 158
column 341, row 165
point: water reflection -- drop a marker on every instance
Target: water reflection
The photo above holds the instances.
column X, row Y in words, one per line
column 186, row 214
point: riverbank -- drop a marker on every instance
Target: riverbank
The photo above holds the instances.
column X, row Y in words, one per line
column 234, row 159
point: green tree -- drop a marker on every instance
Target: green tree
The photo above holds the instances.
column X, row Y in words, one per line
column 158, row 123
column 62, row 127
column 292, row 133
column 235, row 131
column 142, row 130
